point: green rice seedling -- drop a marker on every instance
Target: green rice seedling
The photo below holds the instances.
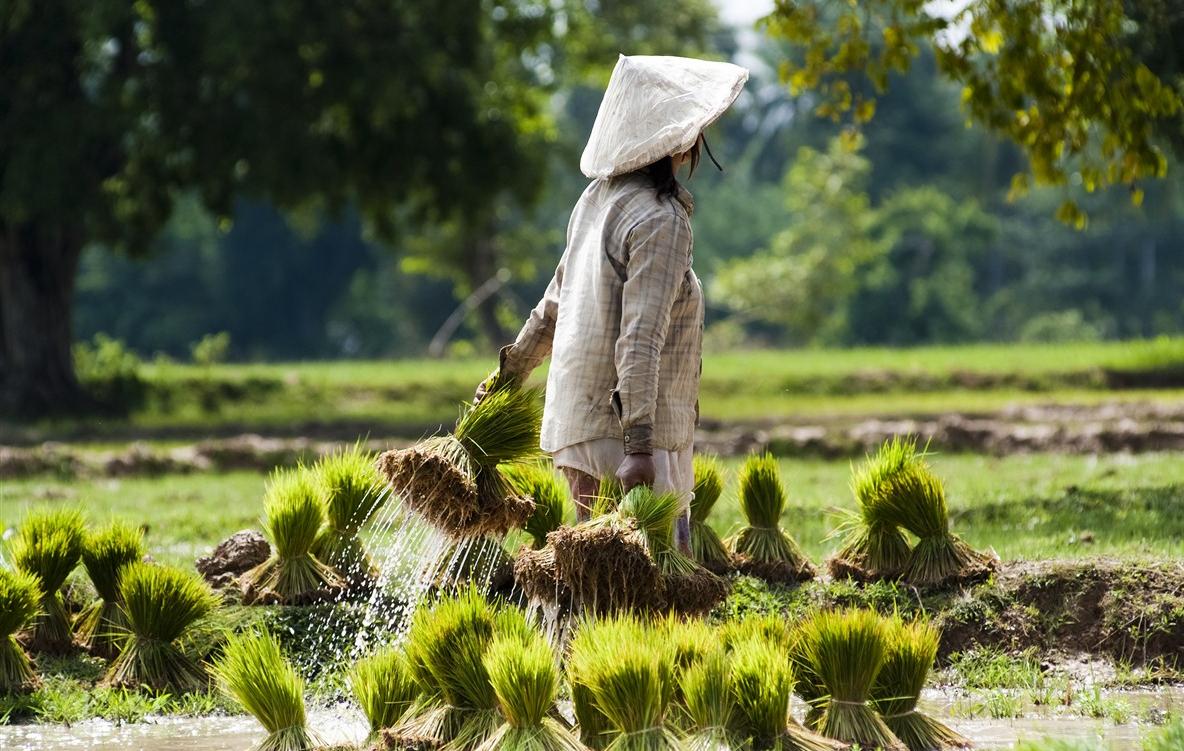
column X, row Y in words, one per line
column 252, row 671
column 916, row 500
column 763, row 548
column 452, row 481
column 20, row 601
column 629, row 677
column 480, row 561
column 294, row 518
column 873, row 545
column 688, row 587
column 351, row 490
column 762, row 684
column 771, row 628
column 445, row 649
column 706, row 546
column 552, row 502
column 912, row 650
column 160, row 604
column 844, row 652
column 104, row 555
column 592, row 638
column 709, row 705
column 526, row 682
column 689, row 641
column 383, row 686
column 49, row 545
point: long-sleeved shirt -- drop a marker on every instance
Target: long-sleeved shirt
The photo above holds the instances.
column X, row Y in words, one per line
column 623, row 322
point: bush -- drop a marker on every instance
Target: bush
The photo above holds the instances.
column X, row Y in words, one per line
column 211, row 349
column 111, row 372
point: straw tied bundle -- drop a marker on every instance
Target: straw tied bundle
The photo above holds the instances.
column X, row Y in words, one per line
column 452, row 480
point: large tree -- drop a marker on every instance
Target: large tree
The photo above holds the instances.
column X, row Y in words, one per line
column 110, row 110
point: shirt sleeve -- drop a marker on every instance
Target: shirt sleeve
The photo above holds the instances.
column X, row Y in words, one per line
column 658, row 257
column 533, row 343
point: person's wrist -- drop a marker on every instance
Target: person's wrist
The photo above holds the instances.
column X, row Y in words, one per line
column 638, row 439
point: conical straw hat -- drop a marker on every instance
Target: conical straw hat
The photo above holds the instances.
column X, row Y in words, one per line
column 656, row 106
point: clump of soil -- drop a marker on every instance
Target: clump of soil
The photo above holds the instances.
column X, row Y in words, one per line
column 234, row 556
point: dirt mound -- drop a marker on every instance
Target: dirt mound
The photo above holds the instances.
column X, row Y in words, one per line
column 233, row 557
column 1131, row 612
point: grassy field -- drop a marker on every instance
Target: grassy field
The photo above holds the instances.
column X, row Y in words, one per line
column 407, row 397
column 1033, row 506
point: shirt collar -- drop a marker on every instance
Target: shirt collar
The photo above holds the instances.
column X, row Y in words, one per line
column 686, row 199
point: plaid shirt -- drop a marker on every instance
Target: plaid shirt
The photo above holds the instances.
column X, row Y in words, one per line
column 623, row 322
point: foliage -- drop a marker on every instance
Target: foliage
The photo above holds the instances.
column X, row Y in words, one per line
column 384, row 687
column 104, row 555
column 211, row 349
column 1071, row 93
column 112, row 372
column 253, row 672
column 160, row 604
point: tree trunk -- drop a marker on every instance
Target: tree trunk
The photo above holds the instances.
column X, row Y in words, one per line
column 483, row 266
column 37, row 270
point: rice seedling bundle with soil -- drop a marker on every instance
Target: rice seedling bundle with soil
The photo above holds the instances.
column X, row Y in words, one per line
column 252, row 671
column 48, row 545
column 481, row 561
column 293, row 574
column 706, row 546
column 916, row 500
column 452, row 481
column 843, row 652
column 626, row 676
column 763, row 549
column 20, row 601
column 709, row 705
column 552, row 502
column 526, row 682
column 762, row 683
column 104, row 555
column 446, row 646
column 383, row 686
column 912, row 649
column 873, row 545
column 688, row 587
column 351, row 490
column 160, row 604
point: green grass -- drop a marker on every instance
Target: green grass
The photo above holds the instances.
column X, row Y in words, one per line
column 1028, row 506
column 409, row 395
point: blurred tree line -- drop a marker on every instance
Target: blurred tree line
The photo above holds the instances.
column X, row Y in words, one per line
column 901, row 236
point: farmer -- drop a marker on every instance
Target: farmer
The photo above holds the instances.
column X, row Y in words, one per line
column 623, row 316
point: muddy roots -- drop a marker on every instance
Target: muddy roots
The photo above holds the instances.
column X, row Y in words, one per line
column 606, row 567
column 947, row 561
column 536, row 577
column 778, row 572
column 389, row 740
column 694, row 593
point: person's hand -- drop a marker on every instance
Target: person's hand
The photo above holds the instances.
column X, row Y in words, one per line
column 487, row 385
column 637, row 469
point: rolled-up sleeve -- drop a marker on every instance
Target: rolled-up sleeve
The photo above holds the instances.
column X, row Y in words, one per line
column 658, row 258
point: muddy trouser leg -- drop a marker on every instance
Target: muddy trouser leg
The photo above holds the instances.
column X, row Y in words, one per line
column 584, row 488
column 682, row 532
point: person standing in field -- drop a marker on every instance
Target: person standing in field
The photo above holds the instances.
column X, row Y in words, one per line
column 622, row 318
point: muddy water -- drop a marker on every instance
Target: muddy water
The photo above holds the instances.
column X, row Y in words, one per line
column 345, row 725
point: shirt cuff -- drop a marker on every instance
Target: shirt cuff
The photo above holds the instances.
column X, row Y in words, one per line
column 505, row 363
column 639, row 439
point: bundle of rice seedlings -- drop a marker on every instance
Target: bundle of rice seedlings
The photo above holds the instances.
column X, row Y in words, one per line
column 48, row 546
column 763, row 549
column 104, row 555
column 20, row 601
column 762, row 684
column 383, row 686
column 844, row 652
column 351, row 490
column 452, row 481
column 709, row 704
column 873, row 546
column 293, row 574
column 706, row 546
column 912, row 649
column 526, row 682
column 160, row 604
column 916, row 500
column 446, row 645
column 253, row 672
column 626, row 681
column 771, row 628
column 688, row 587
column 552, row 502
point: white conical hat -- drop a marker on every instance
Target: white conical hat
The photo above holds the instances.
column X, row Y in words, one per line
column 656, row 106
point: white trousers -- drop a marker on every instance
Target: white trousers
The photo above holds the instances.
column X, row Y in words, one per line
column 674, row 471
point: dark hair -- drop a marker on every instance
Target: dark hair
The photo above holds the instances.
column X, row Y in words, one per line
column 661, row 173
